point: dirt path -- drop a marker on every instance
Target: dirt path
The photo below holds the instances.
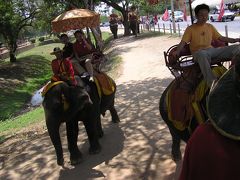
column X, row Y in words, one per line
column 137, row 148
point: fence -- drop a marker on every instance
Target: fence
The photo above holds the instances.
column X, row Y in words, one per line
column 168, row 29
column 4, row 53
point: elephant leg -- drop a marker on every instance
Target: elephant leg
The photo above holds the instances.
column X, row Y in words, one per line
column 72, row 137
column 176, row 152
column 133, row 27
column 114, row 114
column 92, row 133
column 99, row 127
column 53, row 125
column 115, row 32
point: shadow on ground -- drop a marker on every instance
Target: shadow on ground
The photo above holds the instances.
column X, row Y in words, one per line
column 136, row 148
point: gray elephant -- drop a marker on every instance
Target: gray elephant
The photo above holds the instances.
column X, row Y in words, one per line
column 133, row 21
column 83, row 105
column 183, row 106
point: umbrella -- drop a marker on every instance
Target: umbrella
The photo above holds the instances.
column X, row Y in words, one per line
column 75, row 19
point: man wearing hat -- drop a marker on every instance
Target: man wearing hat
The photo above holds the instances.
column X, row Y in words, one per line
column 113, row 20
column 62, row 68
column 213, row 151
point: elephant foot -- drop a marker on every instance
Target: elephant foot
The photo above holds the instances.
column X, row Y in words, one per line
column 176, row 155
column 60, row 161
column 95, row 150
column 114, row 114
column 76, row 158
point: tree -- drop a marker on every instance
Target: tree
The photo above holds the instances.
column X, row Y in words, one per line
column 14, row 16
column 143, row 7
column 119, row 5
column 47, row 12
column 123, row 7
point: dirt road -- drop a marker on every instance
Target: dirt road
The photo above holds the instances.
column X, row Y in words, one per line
column 137, row 148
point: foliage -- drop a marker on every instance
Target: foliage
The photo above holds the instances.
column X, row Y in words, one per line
column 103, row 19
column 25, row 120
column 152, row 9
column 38, row 69
column 47, row 12
column 30, row 73
column 14, row 16
column 20, row 81
column 32, row 40
column 41, row 39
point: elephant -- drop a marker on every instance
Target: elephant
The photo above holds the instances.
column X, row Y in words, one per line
column 194, row 112
column 134, row 26
column 84, row 105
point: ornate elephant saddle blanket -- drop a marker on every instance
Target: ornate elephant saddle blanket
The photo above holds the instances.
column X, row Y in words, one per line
column 104, row 83
column 184, row 104
column 49, row 85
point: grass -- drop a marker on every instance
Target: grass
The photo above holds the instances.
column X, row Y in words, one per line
column 21, row 79
column 30, row 72
column 22, row 121
column 18, row 81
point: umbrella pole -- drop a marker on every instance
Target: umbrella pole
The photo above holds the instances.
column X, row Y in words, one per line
column 190, row 7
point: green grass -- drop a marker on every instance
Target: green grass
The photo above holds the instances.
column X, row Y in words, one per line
column 22, row 121
column 22, row 78
column 31, row 71
column 13, row 126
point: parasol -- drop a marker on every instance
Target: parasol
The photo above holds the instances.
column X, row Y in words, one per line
column 75, row 19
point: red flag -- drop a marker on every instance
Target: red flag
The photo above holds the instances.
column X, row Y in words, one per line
column 165, row 15
column 185, row 12
column 221, row 11
column 155, row 19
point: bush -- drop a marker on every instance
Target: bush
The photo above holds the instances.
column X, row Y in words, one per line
column 33, row 40
column 41, row 39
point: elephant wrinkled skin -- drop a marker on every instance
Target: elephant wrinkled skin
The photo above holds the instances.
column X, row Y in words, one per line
column 83, row 106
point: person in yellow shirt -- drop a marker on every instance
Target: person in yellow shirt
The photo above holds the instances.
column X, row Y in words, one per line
column 200, row 36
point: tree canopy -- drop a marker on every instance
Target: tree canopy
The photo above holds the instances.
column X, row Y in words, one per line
column 14, row 16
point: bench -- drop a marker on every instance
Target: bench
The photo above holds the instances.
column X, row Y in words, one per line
column 178, row 66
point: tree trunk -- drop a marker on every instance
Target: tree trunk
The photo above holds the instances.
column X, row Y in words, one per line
column 12, row 57
column 126, row 24
column 12, row 49
column 97, row 38
column 124, row 11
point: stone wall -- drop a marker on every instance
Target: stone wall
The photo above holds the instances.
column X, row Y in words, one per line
column 4, row 53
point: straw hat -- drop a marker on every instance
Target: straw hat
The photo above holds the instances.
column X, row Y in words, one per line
column 224, row 104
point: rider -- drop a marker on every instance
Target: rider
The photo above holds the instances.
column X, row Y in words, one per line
column 62, row 68
column 68, row 46
column 200, row 35
column 83, row 53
